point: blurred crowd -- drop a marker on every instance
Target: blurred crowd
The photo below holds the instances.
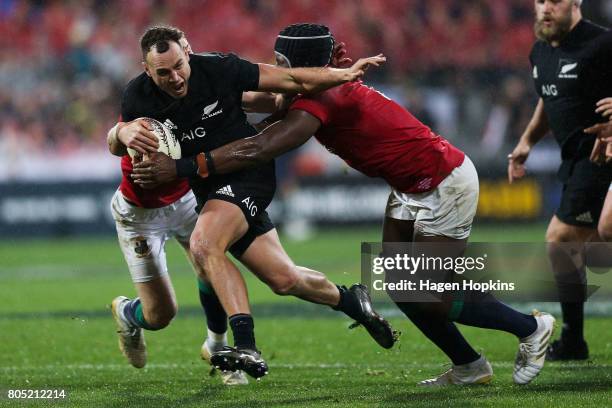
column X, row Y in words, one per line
column 63, row 64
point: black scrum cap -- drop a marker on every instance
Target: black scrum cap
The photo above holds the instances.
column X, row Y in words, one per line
column 305, row 45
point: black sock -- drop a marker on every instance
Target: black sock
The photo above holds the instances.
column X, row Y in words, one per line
column 216, row 318
column 349, row 304
column 489, row 313
column 244, row 331
column 343, row 303
column 573, row 322
column 442, row 333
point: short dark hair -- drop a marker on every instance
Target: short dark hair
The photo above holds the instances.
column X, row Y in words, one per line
column 306, row 45
column 159, row 37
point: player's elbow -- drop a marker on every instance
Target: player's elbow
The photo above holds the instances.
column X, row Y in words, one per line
column 115, row 147
column 116, row 150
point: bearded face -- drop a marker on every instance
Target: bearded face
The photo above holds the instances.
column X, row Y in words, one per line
column 553, row 19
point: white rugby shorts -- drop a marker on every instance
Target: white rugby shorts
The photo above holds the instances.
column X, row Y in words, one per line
column 448, row 210
column 143, row 232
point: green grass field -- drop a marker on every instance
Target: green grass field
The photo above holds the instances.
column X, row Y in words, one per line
column 56, row 332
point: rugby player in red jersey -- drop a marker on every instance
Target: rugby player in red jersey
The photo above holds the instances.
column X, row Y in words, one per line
column 433, row 199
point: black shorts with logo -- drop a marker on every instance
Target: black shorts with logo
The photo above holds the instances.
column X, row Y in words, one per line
column 251, row 190
column 584, row 192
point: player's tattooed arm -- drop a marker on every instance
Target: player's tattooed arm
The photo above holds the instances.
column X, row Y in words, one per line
column 278, row 138
column 273, row 78
column 535, row 131
column 137, row 134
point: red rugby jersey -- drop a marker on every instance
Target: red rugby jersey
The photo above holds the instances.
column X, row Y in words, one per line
column 378, row 137
column 159, row 197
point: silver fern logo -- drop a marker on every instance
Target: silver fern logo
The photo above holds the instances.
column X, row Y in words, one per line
column 209, row 110
column 568, row 69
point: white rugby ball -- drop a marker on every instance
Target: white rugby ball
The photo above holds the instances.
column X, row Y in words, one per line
column 168, row 143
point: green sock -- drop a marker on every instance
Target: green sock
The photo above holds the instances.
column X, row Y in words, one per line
column 133, row 313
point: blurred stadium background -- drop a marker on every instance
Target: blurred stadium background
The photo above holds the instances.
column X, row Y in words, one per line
column 459, row 66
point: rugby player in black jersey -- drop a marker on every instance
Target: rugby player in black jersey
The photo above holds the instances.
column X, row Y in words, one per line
column 571, row 70
column 199, row 98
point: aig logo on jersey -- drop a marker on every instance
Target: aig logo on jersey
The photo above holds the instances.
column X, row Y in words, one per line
column 568, row 69
column 549, row 90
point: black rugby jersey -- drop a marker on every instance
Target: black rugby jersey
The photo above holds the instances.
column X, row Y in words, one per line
column 211, row 114
column 570, row 79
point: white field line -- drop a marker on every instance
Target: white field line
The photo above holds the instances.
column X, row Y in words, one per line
column 190, row 366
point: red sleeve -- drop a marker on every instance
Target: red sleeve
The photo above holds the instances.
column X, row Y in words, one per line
column 313, row 106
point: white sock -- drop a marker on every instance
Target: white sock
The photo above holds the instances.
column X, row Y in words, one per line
column 121, row 311
column 216, row 339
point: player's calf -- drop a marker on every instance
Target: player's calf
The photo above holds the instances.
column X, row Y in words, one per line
column 286, row 282
column 160, row 317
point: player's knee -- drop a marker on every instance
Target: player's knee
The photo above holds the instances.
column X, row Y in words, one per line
column 559, row 234
column 204, row 251
column 605, row 230
column 197, row 246
column 285, row 282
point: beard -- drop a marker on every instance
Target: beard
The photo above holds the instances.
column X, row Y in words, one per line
column 556, row 31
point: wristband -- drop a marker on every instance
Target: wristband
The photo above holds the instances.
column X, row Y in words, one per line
column 186, row 167
column 206, row 166
column 202, row 165
column 210, row 162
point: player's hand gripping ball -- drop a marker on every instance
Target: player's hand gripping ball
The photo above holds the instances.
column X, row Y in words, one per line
column 168, row 143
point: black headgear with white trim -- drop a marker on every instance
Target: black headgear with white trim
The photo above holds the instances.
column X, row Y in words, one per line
column 305, row 45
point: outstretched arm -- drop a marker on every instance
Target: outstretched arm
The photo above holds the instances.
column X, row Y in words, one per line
column 278, row 138
column 273, row 78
